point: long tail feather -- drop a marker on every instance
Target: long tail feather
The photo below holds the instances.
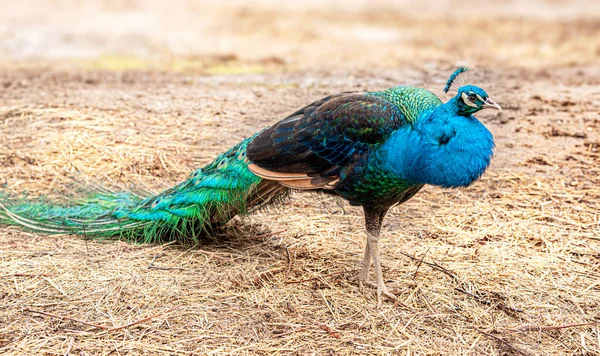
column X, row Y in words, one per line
column 210, row 197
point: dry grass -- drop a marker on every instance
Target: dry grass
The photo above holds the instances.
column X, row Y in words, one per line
column 509, row 266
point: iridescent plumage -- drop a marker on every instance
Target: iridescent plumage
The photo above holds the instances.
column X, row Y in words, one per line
column 375, row 149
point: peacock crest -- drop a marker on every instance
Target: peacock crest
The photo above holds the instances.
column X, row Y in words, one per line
column 456, row 80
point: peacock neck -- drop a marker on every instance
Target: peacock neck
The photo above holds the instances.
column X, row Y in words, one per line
column 440, row 148
column 451, row 108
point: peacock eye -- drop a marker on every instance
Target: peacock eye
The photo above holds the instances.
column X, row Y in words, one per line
column 197, row 172
column 242, row 155
column 472, row 98
column 222, row 163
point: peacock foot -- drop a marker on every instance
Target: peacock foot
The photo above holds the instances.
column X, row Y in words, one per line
column 363, row 280
column 381, row 291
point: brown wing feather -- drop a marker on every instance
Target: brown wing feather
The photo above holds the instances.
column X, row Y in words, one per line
column 272, row 175
column 293, row 180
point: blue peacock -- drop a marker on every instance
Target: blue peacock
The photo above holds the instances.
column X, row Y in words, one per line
column 374, row 149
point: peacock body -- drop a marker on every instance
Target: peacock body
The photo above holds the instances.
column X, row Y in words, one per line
column 374, row 149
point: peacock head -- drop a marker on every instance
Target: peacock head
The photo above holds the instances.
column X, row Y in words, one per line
column 469, row 98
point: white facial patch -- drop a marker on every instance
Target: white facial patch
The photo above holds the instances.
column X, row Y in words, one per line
column 479, row 97
column 465, row 98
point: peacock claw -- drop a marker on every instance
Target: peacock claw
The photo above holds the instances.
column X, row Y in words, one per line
column 381, row 291
column 363, row 281
column 387, row 294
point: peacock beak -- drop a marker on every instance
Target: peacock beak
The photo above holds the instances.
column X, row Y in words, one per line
column 490, row 104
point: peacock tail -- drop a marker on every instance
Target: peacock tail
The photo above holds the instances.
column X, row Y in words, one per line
column 209, row 198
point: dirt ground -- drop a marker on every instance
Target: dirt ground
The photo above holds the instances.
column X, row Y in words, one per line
column 126, row 92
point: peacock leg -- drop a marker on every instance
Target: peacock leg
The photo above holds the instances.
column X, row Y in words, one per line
column 373, row 240
column 373, row 220
column 363, row 276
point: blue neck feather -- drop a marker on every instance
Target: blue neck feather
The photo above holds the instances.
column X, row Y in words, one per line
column 441, row 148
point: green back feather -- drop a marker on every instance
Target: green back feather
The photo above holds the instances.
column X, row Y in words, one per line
column 411, row 101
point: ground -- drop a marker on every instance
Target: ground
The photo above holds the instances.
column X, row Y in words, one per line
column 138, row 93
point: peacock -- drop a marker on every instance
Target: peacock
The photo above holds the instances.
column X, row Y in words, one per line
column 375, row 149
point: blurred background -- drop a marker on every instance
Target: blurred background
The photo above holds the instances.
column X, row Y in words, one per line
column 250, row 36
